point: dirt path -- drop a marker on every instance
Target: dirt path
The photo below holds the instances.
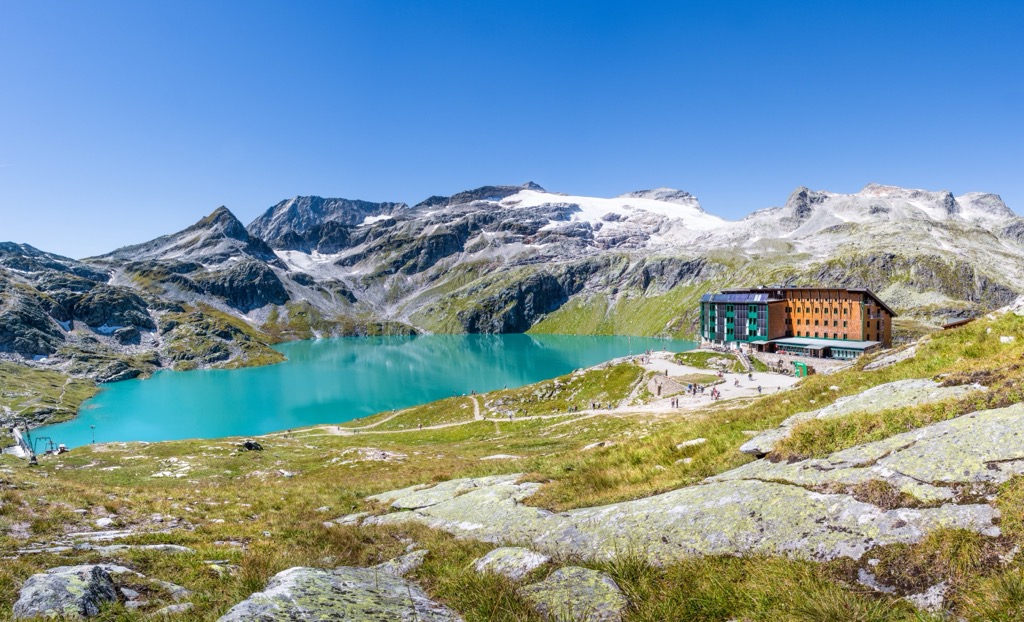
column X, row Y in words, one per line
column 735, row 388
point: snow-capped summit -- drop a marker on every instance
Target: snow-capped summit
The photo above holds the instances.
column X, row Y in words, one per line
column 663, row 205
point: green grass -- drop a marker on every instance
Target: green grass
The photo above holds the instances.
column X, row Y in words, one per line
column 632, row 312
column 27, row 391
column 451, row 410
column 696, row 379
column 710, row 360
column 203, row 335
column 577, row 391
column 247, row 492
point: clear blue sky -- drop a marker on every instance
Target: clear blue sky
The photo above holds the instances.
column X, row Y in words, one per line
column 121, row 121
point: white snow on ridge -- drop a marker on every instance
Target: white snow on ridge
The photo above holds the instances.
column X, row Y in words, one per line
column 593, row 209
column 369, row 220
column 303, row 262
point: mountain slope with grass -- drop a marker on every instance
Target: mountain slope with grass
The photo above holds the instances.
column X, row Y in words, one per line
column 906, row 508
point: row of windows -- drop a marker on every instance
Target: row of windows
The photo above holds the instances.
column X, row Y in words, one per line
column 835, row 310
column 817, row 334
column 808, row 322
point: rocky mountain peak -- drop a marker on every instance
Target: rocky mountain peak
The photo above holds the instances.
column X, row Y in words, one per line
column 985, row 204
column 212, row 240
column 665, row 195
column 303, row 222
column 223, row 221
column 801, row 202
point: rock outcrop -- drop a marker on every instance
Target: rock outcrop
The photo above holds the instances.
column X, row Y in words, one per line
column 245, row 285
column 876, row 399
column 981, row 448
column 339, row 594
column 66, row 591
column 577, row 594
column 25, row 328
column 808, row 509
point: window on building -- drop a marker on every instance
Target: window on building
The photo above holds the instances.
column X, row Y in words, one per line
column 835, row 311
column 835, row 335
column 835, row 322
column 844, row 310
column 815, row 322
column 844, row 323
column 815, row 334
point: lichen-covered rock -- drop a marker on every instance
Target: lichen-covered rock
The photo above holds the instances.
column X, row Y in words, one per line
column 420, row 496
column 716, row 518
column 68, row 591
column 404, row 564
column 574, row 593
column 930, row 600
column 511, row 562
column 311, row 594
column 984, row 447
column 891, row 359
column 897, row 394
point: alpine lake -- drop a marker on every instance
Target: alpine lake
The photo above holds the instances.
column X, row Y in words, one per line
column 331, row 381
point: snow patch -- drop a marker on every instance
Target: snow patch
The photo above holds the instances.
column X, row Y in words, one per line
column 369, row 220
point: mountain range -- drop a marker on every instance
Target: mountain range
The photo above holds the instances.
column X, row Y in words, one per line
column 491, row 260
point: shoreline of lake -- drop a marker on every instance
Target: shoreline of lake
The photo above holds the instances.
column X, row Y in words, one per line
column 334, row 380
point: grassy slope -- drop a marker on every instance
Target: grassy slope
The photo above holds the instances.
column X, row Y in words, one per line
column 247, row 491
column 202, row 332
column 27, row 391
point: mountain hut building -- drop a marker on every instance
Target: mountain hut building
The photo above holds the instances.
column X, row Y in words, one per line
column 819, row 322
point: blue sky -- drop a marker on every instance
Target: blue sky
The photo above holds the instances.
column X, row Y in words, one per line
column 121, row 121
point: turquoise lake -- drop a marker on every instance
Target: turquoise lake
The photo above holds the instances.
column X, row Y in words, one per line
column 331, row 381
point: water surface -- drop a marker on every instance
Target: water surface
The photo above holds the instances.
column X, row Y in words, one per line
column 332, row 381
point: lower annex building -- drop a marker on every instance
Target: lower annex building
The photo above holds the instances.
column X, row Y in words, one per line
column 807, row 321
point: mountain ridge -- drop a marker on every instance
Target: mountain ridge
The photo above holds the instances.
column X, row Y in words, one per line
column 491, row 259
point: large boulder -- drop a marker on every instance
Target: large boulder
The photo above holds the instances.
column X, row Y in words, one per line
column 578, row 594
column 345, row 593
column 66, row 591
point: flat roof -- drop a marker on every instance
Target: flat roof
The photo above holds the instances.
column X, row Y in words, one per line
column 765, row 288
column 747, row 297
column 818, row 344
